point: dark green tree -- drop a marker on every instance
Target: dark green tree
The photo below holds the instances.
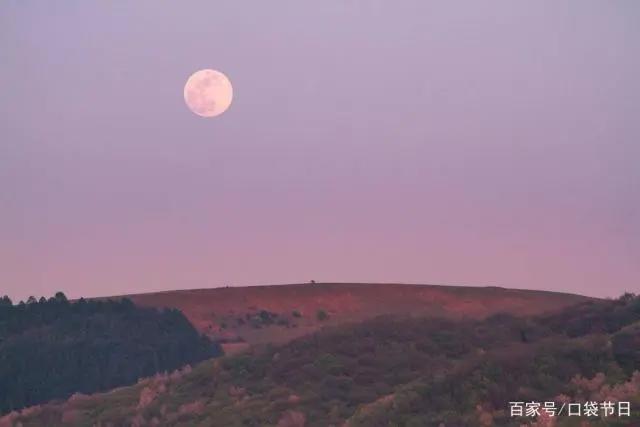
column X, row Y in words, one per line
column 60, row 297
column 53, row 348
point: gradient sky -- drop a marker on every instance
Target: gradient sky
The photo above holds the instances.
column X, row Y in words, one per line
column 483, row 143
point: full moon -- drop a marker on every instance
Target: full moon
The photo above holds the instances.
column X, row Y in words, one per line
column 208, row 93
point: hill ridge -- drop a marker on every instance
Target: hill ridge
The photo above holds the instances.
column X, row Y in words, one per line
column 278, row 313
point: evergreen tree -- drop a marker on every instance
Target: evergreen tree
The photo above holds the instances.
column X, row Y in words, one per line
column 53, row 348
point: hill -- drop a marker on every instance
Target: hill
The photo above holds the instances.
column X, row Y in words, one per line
column 392, row 371
column 53, row 348
column 279, row 313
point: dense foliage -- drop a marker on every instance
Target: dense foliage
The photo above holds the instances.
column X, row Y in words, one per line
column 393, row 372
column 53, row 348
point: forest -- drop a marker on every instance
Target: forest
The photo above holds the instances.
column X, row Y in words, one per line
column 52, row 348
column 393, row 371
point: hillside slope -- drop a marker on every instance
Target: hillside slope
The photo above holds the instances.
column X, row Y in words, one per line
column 276, row 314
column 391, row 371
column 50, row 349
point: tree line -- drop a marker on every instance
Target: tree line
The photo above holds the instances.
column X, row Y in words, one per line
column 52, row 348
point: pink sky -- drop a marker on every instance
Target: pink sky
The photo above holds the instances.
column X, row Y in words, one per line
column 420, row 142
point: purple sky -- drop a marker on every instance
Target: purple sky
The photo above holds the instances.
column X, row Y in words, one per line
column 486, row 143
